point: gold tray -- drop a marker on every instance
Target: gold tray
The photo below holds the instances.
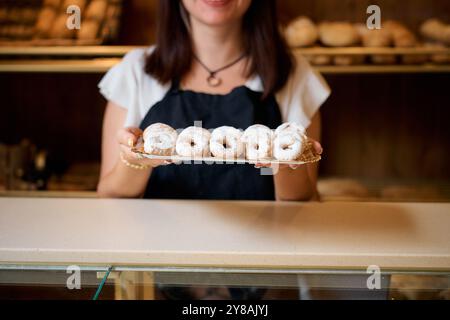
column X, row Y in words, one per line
column 308, row 156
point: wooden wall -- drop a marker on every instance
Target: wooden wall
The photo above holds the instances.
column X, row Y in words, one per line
column 375, row 126
column 140, row 15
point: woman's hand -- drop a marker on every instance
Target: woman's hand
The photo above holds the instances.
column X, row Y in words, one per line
column 317, row 148
column 127, row 138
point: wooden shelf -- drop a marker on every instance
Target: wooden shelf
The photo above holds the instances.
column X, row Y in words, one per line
column 101, row 65
column 70, row 51
column 47, row 194
column 119, row 51
column 98, row 59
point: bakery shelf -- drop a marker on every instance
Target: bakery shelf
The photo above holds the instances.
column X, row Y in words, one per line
column 98, row 59
column 57, row 51
column 47, row 194
column 101, row 65
column 118, row 51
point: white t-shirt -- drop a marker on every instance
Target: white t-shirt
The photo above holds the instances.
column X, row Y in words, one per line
column 127, row 85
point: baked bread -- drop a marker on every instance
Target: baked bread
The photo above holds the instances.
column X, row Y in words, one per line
column 439, row 58
column 45, row 21
column 402, row 37
column 59, row 28
column 338, row 34
column 96, row 10
column 79, row 3
column 89, row 30
column 436, row 30
column 301, row 32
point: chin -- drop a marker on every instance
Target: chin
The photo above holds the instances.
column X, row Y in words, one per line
column 217, row 12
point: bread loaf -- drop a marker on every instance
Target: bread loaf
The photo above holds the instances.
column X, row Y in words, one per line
column 301, row 32
column 338, row 34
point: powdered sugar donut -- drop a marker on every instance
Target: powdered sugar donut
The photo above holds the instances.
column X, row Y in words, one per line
column 193, row 142
column 289, row 142
column 290, row 126
column 160, row 139
column 258, row 142
column 226, row 143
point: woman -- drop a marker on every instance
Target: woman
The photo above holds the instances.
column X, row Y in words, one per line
column 221, row 62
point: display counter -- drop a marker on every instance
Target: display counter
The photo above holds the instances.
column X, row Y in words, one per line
column 407, row 236
column 269, row 244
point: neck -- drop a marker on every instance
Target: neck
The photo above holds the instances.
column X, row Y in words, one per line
column 216, row 46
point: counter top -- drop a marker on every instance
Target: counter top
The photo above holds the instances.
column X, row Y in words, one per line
column 341, row 235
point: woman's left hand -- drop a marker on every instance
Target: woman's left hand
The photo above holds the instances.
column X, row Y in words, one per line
column 317, row 148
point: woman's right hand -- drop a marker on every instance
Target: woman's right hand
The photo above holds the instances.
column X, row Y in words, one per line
column 127, row 138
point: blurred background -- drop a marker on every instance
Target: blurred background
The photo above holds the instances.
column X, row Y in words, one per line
column 385, row 127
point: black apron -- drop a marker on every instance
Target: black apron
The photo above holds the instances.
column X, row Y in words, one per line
column 240, row 108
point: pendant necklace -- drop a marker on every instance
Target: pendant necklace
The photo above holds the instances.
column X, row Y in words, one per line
column 213, row 80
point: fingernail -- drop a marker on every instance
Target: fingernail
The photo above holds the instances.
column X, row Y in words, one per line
column 131, row 142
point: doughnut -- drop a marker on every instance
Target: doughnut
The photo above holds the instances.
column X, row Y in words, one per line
column 193, row 142
column 226, row 143
column 289, row 142
column 301, row 32
column 338, row 34
column 258, row 142
column 160, row 140
column 290, row 126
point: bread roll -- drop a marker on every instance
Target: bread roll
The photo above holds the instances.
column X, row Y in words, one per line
column 439, row 58
column 319, row 60
column 79, row 3
column 96, row 9
column 436, row 30
column 89, row 30
column 52, row 3
column 302, row 32
column 401, row 35
column 348, row 60
column 45, row 21
column 338, row 34
column 333, row 187
column 59, row 29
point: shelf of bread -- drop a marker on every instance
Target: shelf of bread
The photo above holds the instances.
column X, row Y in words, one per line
column 101, row 65
column 58, row 22
column 119, row 51
column 47, row 194
column 22, row 50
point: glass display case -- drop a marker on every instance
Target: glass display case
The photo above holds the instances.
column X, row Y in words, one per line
column 383, row 180
column 150, row 249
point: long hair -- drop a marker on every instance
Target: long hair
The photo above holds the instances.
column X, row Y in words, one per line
column 268, row 53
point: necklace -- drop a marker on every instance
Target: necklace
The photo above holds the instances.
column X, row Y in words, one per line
column 213, row 80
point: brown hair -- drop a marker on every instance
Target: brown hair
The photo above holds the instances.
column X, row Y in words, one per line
column 268, row 53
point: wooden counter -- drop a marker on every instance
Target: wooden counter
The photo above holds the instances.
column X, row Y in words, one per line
column 225, row 234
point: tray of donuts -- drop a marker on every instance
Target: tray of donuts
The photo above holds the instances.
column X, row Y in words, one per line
column 286, row 144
